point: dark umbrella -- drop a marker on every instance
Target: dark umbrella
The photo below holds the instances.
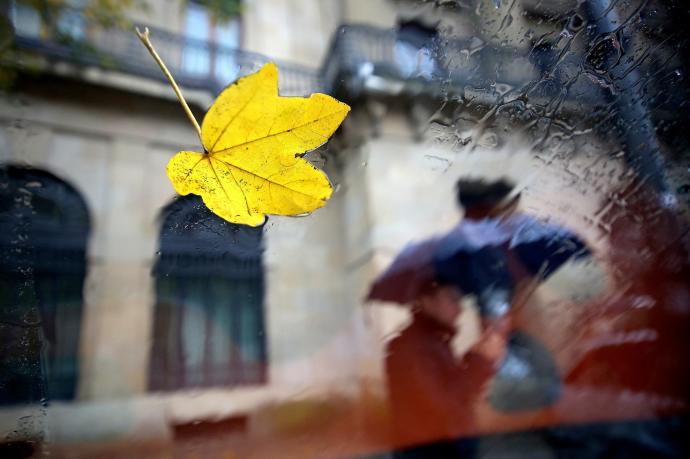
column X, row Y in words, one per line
column 410, row 273
column 486, row 257
column 475, row 256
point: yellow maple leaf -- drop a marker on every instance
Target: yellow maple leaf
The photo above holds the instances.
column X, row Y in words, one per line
column 253, row 142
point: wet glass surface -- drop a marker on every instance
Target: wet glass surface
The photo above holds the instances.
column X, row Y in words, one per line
column 502, row 270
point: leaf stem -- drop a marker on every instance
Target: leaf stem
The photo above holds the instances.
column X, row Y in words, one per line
column 144, row 37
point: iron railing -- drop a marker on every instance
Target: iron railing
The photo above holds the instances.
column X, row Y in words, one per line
column 194, row 63
column 361, row 58
column 366, row 58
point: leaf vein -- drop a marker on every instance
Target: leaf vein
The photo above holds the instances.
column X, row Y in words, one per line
column 225, row 128
column 248, row 142
column 192, row 169
column 244, row 194
column 267, row 179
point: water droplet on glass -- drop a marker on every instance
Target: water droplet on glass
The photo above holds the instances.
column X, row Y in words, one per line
column 502, row 88
column 489, row 140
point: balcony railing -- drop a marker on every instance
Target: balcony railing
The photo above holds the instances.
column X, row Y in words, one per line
column 366, row 58
column 194, row 63
column 361, row 58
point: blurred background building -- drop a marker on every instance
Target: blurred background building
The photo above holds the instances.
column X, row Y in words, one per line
column 136, row 314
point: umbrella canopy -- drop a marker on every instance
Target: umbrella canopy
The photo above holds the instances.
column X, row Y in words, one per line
column 480, row 258
column 486, row 257
column 543, row 247
column 409, row 274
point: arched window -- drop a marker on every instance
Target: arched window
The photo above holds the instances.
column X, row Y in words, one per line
column 209, row 323
column 44, row 226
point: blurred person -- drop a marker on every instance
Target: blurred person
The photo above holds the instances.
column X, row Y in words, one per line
column 490, row 255
column 433, row 394
column 496, row 250
column 499, row 255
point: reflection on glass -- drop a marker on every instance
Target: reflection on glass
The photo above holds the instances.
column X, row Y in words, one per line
column 561, row 333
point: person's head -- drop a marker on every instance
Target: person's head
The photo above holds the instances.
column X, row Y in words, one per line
column 482, row 198
column 440, row 302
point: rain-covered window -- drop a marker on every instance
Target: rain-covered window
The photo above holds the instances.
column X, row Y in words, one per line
column 344, row 228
